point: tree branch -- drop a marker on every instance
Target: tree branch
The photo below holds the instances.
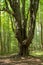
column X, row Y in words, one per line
column 6, row 4
column 8, row 11
column 33, row 11
column 12, row 24
column 27, row 14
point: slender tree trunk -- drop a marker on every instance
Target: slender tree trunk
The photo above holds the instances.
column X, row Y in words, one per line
column 1, row 36
column 42, row 36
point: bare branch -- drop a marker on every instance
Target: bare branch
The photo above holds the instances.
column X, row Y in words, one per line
column 8, row 11
column 12, row 24
column 23, row 9
column 6, row 4
column 27, row 14
column 15, row 5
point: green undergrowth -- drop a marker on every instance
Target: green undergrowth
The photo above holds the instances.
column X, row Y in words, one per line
column 37, row 54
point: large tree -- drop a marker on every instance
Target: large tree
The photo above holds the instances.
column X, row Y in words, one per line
column 21, row 20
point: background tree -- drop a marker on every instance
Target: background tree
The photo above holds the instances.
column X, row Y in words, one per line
column 42, row 35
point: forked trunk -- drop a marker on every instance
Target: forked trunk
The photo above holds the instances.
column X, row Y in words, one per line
column 21, row 24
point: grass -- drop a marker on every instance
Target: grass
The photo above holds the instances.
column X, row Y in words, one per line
column 37, row 54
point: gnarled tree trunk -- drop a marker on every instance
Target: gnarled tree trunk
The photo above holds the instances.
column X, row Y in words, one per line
column 21, row 22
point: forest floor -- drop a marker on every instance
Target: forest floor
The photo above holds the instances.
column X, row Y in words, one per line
column 30, row 60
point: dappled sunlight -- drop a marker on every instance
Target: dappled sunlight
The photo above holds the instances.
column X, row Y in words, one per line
column 7, row 61
column 37, row 53
column 22, row 61
column 41, row 63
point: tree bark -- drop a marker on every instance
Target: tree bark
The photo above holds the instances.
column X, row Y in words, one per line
column 23, row 50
